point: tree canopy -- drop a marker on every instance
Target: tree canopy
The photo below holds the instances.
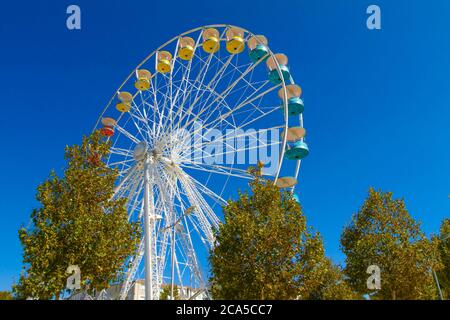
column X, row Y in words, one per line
column 383, row 233
column 444, row 253
column 264, row 250
column 77, row 223
column 6, row 295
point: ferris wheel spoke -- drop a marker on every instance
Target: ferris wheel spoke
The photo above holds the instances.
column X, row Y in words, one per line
column 121, row 152
column 131, row 273
column 195, row 84
column 210, row 86
column 135, row 194
column 214, row 196
column 252, row 147
column 224, row 93
column 170, row 123
column 127, row 161
column 126, row 187
column 234, row 134
column 203, row 72
column 223, row 104
column 168, row 96
column 201, row 209
column 169, row 118
column 243, row 126
column 127, row 134
column 170, row 87
column 198, row 270
column 141, row 117
column 192, row 185
column 187, row 256
column 127, row 176
column 249, row 100
column 185, row 78
column 179, row 273
column 191, row 257
column 222, row 170
column 155, row 109
column 211, row 56
column 201, row 75
column 162, row 256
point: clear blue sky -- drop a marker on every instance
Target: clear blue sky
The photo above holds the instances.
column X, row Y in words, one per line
column 378, row 101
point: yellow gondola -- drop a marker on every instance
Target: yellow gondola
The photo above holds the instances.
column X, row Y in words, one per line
column 125, row 101
column 186, row 50
column 235, row 40
column 211, row 40
column 143, row 80
column 164, row 61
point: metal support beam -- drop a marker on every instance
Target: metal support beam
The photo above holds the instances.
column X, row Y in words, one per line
column 147, row 233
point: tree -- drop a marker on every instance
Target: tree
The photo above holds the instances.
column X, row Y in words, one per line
column 165, row 294
column 383, row 233
column 6, row 295
column 264, row 249
column 444, row 253
column 77, row 223
column 321, row 279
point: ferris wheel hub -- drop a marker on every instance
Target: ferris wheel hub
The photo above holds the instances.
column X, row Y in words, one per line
column 140, row 151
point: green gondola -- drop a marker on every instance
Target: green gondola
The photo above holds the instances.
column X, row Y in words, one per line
column 260, row 52
column 298, row 151
column 275, row 78
column 295, row 106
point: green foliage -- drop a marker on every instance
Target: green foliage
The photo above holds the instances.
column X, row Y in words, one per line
column 444, row 252
column 165, row 294
column 383, row 233
column 264, row 250
column 77, row 223
column 6, row 295
column 322, row 280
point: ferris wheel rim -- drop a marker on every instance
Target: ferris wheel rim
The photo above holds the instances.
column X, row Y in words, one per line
column 270, row 52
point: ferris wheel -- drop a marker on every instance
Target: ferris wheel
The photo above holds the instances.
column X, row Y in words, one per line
column 184, row 126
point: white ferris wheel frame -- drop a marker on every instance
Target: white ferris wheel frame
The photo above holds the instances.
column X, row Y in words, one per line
column 131, row 183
